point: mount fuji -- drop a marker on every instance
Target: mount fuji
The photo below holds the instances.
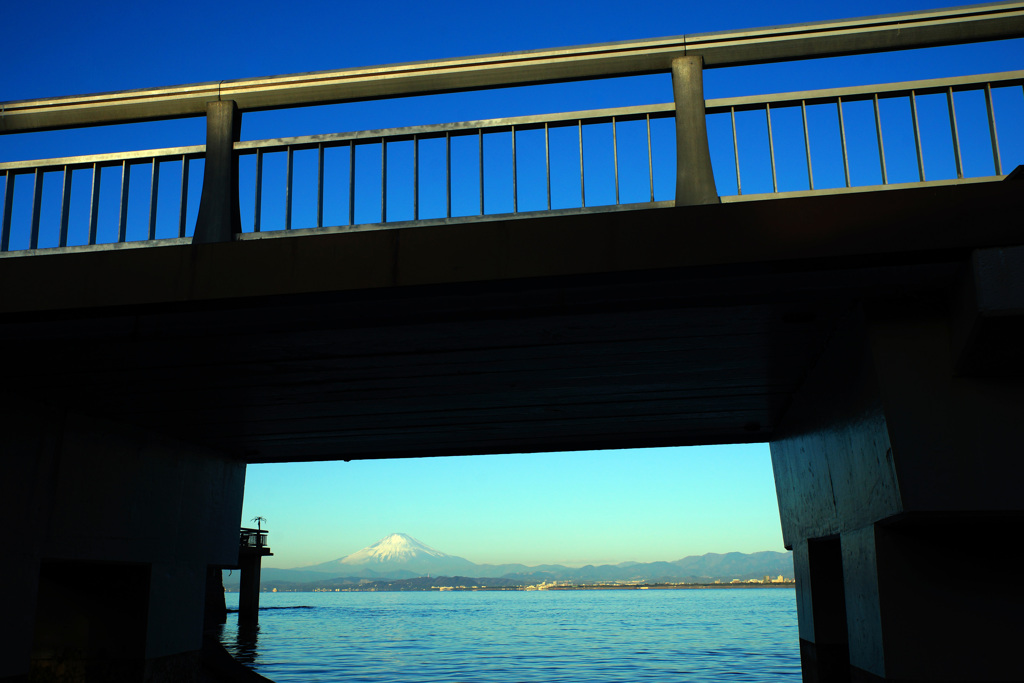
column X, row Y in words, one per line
column 397, row 556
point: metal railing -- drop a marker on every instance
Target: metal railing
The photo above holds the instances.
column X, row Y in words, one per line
column 93, row 166
column 468, row 184
column 909, row 92
column 252, row 538
column 406, row 187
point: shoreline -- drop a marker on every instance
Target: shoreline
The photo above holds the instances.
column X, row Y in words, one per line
column 573, row 587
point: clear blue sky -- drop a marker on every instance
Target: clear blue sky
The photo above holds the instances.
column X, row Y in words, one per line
column 563, row 508
column 574, row 508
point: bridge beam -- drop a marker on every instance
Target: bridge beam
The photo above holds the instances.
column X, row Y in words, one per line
column 898, row 485
column 695, row 180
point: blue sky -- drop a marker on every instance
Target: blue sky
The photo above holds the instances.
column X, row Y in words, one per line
column 563, row 508
column 573, row 508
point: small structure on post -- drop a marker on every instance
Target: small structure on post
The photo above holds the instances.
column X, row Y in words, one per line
column 252, row 548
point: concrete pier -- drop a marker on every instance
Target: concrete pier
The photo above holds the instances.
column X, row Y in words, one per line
column 252, row 548
column 890, row 463
column 107, row 569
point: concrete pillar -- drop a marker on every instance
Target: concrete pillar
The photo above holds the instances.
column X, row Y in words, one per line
column 821, row 610
column 112, row 529
column 915, row 613
column 695, row 181
column 249, row 587
column 898, row 485
column 219, row 219
column 216, row 610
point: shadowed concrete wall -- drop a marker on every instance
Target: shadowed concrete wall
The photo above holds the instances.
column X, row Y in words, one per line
column 110, row 566
column 891, row 458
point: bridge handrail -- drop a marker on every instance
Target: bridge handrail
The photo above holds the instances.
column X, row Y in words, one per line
column 614, row 116
column 712, row 106
column 865, row 92
column 839, row 96
column 439, row 130
column 96, row 162
column 107, row 159
column 909, row 30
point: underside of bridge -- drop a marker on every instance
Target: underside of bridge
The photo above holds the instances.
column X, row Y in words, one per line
column 873, row 338
column 675, row 326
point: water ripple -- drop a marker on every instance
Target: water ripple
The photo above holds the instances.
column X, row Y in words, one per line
column 513, row 637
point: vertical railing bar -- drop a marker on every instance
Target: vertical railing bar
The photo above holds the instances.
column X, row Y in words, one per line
column 583, row 190
column 448, row 173
column 996, row 160
column 154, row 193
column 954, row 133
column 415, row 177
column 37, row 205
column 257, row 210
column 917, row 135
column 615, row 158
column 5, row 216
column 807, row 145
column 480, row 144
column 771, row 145
column 650, row 158
column 320, row 185
column 547, row 163
column 736, row 151
column 842, row 141
column 383, row 180
column 881, row 146
column 122, row 222
column 352, row 182
column 289, row 164
column 65, row 207
column 515, row 188
column 94, row 202
column 183, row 199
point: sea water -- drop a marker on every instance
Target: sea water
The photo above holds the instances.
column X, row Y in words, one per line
column 735, row 634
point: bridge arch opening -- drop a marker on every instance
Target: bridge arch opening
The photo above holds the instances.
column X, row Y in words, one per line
column 605, row 520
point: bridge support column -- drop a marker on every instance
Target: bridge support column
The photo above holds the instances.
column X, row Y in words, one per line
column 110, row 533
column 249, row 587
column 219, row 218
column 695, row 180
column 898, row 485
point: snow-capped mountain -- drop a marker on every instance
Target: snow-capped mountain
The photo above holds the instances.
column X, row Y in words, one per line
column 394, row 555
column 392, row 548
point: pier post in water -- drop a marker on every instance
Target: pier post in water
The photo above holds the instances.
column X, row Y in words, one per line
column 252, row 548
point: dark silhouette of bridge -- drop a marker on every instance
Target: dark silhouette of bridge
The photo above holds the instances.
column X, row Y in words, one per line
column 869, row 331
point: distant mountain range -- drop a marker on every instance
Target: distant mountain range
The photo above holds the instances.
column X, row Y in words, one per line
column 400, row 556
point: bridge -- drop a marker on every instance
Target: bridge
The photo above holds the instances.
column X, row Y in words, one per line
column 540, row 283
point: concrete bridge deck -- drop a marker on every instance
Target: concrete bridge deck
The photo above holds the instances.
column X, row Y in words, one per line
column 688, row 325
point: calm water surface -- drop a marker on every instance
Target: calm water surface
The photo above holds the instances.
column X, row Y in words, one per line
column 507, row 637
